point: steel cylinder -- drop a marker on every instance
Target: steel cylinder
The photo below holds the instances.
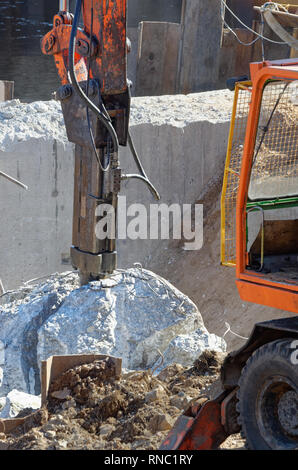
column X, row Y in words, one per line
column 64, row 5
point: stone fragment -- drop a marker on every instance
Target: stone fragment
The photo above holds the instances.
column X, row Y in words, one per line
column 69, row 404
column 170, row 371
column 157, row 394
column 50, row 434
column 61, row 394
column 17, row 401
column 180, row 402
column 106, row 429
column 160, row 422
column 61, row 444
column 3, row 445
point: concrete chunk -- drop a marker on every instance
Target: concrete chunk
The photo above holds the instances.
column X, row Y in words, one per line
column 136, row 317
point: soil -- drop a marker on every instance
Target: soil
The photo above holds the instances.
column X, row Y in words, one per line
column 88, row 408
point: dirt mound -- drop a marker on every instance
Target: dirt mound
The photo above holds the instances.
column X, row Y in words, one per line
column 209, row 285
column 89, row 409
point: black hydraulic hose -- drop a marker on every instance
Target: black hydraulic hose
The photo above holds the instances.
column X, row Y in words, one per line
column 135, row 155
column 87, row 109
column 145, row 180
column 103, row 119
column 143, row 175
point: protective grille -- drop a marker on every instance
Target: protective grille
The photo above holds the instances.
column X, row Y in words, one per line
column 232, row 172
column 275, row 165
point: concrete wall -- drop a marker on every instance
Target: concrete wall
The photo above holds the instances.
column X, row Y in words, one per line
column 200, row 46
column 35, row 224
column 181, row 141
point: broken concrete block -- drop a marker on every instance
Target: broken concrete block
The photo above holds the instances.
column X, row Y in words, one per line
column 160, row 422
column 157, row 394
column 17, row 401
column 20, row 318
column 186, row 348
column 134, row 315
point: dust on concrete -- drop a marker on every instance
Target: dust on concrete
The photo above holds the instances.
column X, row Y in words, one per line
column 88, row 408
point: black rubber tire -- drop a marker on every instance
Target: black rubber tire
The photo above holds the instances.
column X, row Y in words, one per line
column 266, row 363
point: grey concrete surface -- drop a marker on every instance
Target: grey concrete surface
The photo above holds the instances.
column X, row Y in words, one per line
column 181, row 141
column 36, row 224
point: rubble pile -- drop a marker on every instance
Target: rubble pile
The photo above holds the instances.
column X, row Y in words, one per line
column 89, row 409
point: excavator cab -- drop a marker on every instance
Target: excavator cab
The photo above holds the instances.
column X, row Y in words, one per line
column 259, row 210
column 260, row 192
column 272, row 207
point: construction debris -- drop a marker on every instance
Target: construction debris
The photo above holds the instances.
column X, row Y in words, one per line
column 16, row 403
column 95, row 411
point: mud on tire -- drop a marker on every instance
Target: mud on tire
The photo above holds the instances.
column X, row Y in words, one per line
column 268, row 397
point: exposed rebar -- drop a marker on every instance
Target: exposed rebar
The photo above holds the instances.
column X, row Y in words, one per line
column 13, row 180
column 2, row 290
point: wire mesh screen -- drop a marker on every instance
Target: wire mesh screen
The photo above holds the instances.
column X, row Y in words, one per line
column 232, row 173
column 275, row 165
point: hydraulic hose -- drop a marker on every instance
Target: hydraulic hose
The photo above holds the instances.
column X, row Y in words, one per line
column 103, row 119
column 145, row 180
column 143, row 175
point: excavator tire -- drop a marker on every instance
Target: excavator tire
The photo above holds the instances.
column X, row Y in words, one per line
column 268, row 397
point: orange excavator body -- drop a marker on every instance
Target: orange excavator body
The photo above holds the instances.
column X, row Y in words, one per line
column 255, row 286
column 91, row 62
column 104, row 33
column 206, row 425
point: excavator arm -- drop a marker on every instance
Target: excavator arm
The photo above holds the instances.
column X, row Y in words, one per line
column 102, row 41
column 205, row 425
column 95, row 97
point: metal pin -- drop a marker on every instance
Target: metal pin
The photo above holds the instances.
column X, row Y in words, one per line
column 64, row 5
column 13, row 180
column 2, row 290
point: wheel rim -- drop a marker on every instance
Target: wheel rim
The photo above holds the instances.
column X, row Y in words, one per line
column 277, row 413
